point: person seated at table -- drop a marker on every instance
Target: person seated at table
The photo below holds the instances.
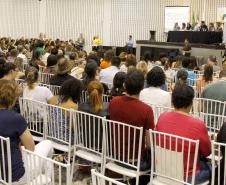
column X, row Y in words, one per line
column 211, row 27
column 203, row 26
column 189, row 27
column 196, row 27
column 176, row 27
column 219, row 26
column 181, row 123
column 183, row 27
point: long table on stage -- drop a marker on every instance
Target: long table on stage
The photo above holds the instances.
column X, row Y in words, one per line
column 195, row 37
column 198, row 50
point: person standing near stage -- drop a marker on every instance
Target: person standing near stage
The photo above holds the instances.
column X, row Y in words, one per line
column 129, row 45
column 81, row 41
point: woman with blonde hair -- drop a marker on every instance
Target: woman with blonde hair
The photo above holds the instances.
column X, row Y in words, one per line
column 33, row 90
column 143, row 67
column 95, row 104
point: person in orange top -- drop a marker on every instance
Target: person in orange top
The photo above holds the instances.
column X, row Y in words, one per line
column 206, row 79
column 106, row 62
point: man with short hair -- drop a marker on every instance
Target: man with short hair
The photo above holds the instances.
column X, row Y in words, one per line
column 129, row 109
column 217, row 90
column 107, row 75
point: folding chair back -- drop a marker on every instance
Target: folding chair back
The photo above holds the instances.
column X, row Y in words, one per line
column 44, row 171
column 59, row 128
column 89, row 136
column 218, row 163
column 5, row 161
column 123, row 144
column 35, row 113
column 53, row 88
column 45, row 77
column 168, row 154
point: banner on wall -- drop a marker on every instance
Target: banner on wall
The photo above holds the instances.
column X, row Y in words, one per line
column 220, row 14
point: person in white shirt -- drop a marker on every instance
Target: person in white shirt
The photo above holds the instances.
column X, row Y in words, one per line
column 20, row 49
column 33, row 91
column 107, row 75
column 153, row 95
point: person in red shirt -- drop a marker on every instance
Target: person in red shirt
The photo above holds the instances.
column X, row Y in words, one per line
column 180, row 123
column 129, row 109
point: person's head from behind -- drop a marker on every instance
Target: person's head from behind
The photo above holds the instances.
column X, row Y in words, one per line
column 178, row 62
column 134, row 83
column 156, row 77
column 20, row 48
column 36, row 55
column 51, row 60
column 123, row 56
column 95, row 90
column 185, row 62
column 118, row 82
column 14, row 53
column 143, row 67
column 182, row 75
column 212, row 60
column 222, row 74
column 19, row 63
column 70, row 90
column 108, row 55
column 131, row 60
column 54, row 51
column 91, row 69
column 130, row 37
column 9, row 71
column 182, row 97
column 208, row 72
column 9, row 92
column 31, row 74
column 115, row 61
column 2, row 62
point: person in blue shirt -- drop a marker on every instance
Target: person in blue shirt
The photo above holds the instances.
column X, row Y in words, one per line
column 15, row 127
column 129, row 45
column 188, row 65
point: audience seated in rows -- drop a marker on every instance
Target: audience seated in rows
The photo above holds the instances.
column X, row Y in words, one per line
column 180, row 123
column 33, row 90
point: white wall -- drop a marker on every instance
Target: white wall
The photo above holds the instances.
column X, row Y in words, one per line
column 112, row 20
column 19, row 18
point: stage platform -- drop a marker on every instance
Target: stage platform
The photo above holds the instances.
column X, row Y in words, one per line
column 198, row 50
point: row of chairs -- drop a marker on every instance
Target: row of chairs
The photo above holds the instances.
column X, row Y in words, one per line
column 83, row 125
column 34, row 174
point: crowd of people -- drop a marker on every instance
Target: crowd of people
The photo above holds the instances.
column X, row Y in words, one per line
column 198, row 26
column 133, row 85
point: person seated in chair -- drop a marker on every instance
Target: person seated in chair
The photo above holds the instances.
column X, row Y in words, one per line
column 180, row 123
column 129, row 109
